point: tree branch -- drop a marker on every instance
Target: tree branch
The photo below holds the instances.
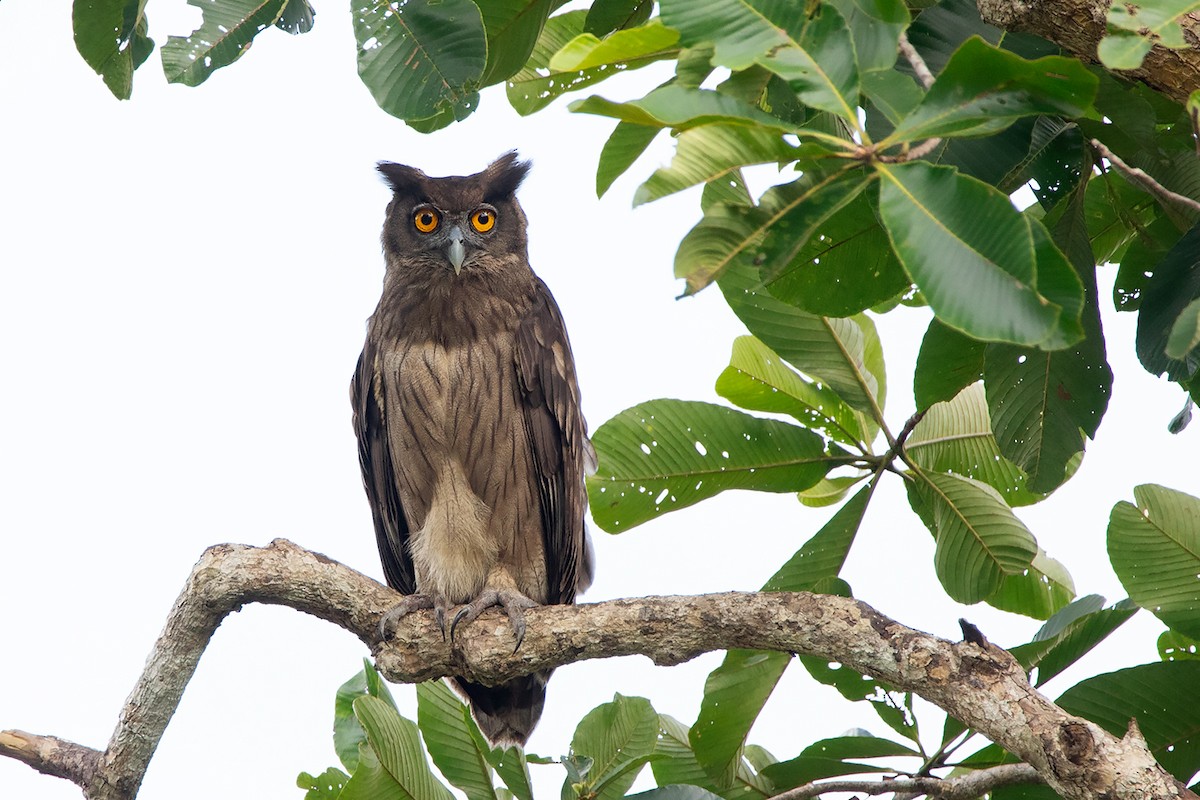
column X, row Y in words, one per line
column 984, row 687
column 961, row 787
column 1078, row 26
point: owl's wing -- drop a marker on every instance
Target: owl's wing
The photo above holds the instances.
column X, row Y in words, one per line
column 379, row 477
column 558, row 440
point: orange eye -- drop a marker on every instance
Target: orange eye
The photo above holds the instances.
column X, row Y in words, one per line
column 426, row 220
column 483, row 219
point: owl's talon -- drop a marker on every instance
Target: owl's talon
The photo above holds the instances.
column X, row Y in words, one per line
column 513, row 602
column 410, row 603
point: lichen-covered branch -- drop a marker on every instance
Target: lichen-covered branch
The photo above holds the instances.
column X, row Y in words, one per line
column 983, row 686
column 1078, row 26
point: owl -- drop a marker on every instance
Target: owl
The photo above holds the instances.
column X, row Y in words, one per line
column 470, row 437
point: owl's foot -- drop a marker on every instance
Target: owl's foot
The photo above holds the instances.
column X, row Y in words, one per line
column 513, row 602
column 411, row 603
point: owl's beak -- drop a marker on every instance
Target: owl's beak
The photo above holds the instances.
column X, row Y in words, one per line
column 455, row 251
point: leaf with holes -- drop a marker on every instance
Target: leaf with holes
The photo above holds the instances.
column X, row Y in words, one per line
column 1154, row 547
column 587, row 51
column 1174, row 286
column 757, row 379
column 225, row 34
column 114, row 58
column 423, row 59
column 664, row 455
column 1039, row 592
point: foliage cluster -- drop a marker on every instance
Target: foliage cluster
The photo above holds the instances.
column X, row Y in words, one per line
column 896, row 190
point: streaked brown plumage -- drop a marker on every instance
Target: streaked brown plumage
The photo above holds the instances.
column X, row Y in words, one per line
column 466, row 408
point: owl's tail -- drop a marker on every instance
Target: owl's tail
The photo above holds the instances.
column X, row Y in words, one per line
column 506, row 713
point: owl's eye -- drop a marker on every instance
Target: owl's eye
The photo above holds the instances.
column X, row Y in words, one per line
column 483, row 219
column 426, row 220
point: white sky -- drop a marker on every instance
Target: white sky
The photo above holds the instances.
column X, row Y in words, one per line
column 185, row 281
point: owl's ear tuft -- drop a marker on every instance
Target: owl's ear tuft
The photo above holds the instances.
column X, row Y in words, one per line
column 503, row 176
column 401, row 178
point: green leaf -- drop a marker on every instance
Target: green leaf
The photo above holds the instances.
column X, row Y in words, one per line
column 729, row 189
column 606, row 16
column 757, row 379
column 615, row 735
column 976, row 259
column 875, row 26
column 939, row 30
column 675, row 792
column 1174, row 286
column 454, row 741
column 979, row 540
column 711, row 152
column 984, row 89
column 828, row 491
column 326, row 786
column 399, row 768
column 1185, row 333
column 513, row 27
column 676, row 764
column 348, row 734
column 829, row 255
column 586, row 51
column 1140, row 27
column 814, row 53
column 113, row 57
column 536, row 86
column 893, row 93
column 845, row 354
column 423, row 59
column 734, row 694
column 626, row 143
column 680, row 107
column 1071, row 634
column 1163, row 699
column 1039, row 592
column 298, row 17
column 226, row 32
column 1142, row 256
column 664, row 455
column 948, row 362
column 956, row 437
column 1174, row 646
column 823, row 555
column 512, row 765
column 830, row 758
column 1154, row 547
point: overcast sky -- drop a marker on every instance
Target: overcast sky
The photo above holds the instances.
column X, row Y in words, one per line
column 185, row 282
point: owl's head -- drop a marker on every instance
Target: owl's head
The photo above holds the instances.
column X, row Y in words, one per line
column 459, row 222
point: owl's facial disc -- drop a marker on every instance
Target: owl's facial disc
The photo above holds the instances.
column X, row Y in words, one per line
column 455, row 250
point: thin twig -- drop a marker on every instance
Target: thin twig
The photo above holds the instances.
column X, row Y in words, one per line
column 926, row 78
column 1143, row 179
column 962, row 787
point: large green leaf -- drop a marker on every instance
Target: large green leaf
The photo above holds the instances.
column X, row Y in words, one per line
column 711, row 152
column 627, row 141
column 536, row 86
column 512, row 766
column 844, row 354
column 423, row 59
column 113, row 57
column 1154, row 547
column 587, row 51
column 830, row 758
column 948, row 362
column 226, row 32
column 813, row 52
column 833, row 260
column 606, row 16
column 735, row 692
column 677, row 764
column 348, row 734
column 1185, row 332
column 1071, row 634
column 1039, row 592
column 979, row 540
column 956, row 436
column 875, row 26
column 454, row 741
column 663, row 455
column 978, row 262
column 402, row 770
column 984, row 89
column 1163, row 699
column 757, row 379
column 615, row 736
column 513, row 27
column 1174, row 285
column 676, row 106
column 939, row 30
